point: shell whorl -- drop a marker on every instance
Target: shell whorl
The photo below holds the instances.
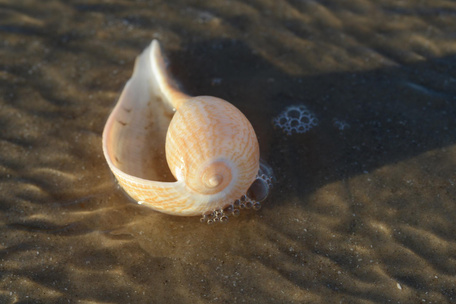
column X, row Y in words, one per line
column 212, row 147
column 212, row 178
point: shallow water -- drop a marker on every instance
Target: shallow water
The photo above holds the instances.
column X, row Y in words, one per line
column 360, row 215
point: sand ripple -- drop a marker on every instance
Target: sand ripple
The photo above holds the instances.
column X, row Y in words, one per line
column 362, row 215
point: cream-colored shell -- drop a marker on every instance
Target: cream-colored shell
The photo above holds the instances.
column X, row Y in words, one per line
column 211, row 148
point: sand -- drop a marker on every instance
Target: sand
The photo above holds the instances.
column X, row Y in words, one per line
column 360, row 214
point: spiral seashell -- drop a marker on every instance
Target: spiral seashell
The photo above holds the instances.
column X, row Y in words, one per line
column 210, row 147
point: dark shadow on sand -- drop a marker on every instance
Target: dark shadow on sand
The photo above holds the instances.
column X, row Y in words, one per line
column 394, row 113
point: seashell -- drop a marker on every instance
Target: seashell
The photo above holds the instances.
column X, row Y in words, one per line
column 210, row 147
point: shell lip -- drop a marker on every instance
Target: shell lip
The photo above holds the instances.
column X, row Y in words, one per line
column 149, row 80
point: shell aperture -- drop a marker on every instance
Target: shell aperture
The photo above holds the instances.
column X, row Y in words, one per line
column 210, row 147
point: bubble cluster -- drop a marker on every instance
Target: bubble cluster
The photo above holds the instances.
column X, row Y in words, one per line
column 341, row 125
column 296, row 119
column 252, row 200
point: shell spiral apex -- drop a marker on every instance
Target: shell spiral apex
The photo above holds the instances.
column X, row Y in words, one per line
column 211, row 148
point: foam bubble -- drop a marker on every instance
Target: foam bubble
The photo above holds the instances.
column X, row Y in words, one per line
column 341, row 125
column 296, row 119
column 261, row 185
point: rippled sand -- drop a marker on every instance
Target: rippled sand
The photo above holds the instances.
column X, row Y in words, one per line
column 361, row 215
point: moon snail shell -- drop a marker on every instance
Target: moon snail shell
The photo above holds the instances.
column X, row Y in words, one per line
column 211, row 149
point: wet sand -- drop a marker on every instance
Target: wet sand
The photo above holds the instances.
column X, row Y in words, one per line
column 360, row 215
